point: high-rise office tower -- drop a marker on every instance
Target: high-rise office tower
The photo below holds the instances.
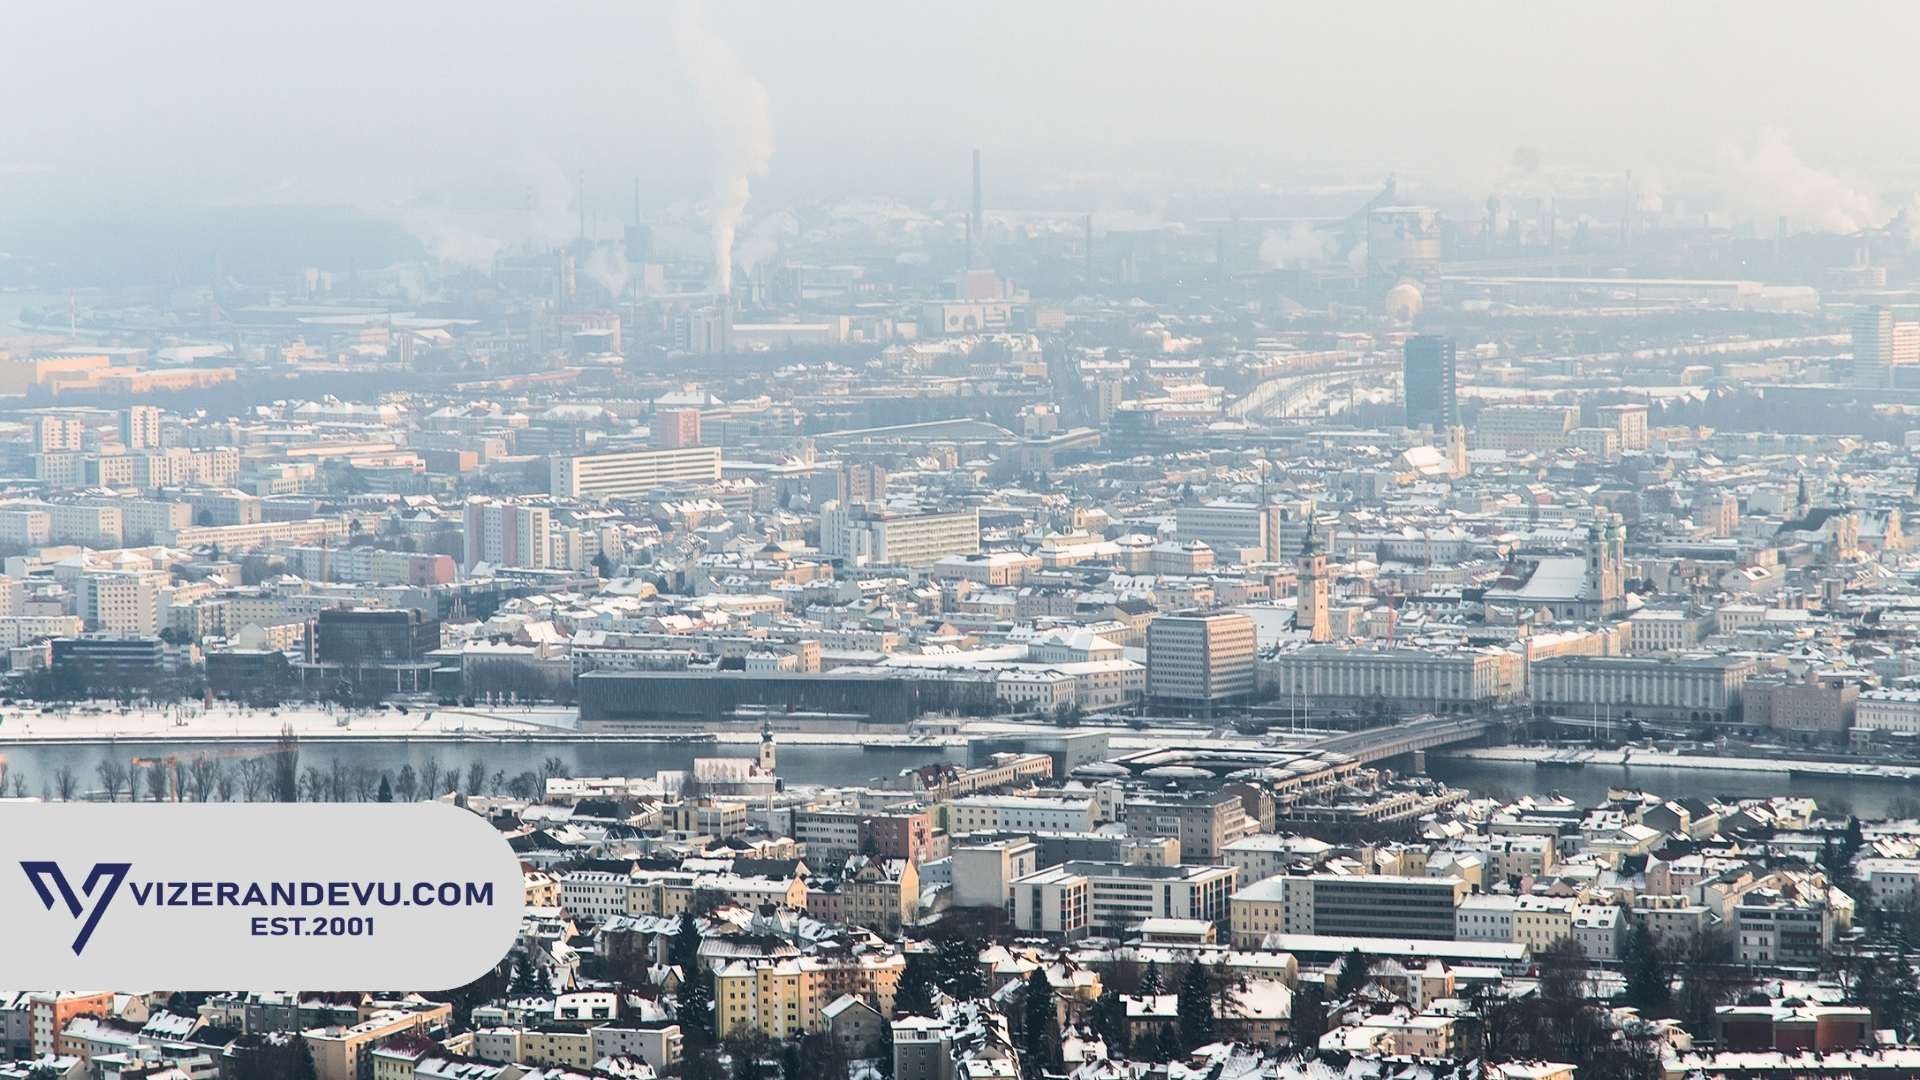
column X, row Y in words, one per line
column 1432, row 400
column 1873, row 347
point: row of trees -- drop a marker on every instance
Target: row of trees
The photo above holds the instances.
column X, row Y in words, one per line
column 277, row 776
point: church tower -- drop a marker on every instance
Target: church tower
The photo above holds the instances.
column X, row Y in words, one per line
column 767, row 754
column 1310, row 592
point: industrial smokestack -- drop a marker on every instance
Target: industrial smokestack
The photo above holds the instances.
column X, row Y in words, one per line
column 1626, row 213
column 976, row 221
column 1089, row 252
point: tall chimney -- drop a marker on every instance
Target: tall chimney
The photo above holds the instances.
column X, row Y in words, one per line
column 1089, row 252
column 976, row 224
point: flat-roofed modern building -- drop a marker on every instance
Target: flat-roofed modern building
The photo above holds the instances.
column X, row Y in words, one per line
column 633, row 472
column 1078, row 898
column 1200, row 658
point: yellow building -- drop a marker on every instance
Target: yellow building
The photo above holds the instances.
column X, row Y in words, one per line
column 569, row 1047
column 670, row 892
column 784, row 998
column 338, row 1052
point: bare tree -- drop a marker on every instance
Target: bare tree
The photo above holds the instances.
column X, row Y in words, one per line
column 430, row 777
column 202, row 771
column 65, row 782
column 224, row 780
column 163, row 779
column 113, row 777
column 313, row 784
column 366, row 781
column 253, row 774
column 19, row 785
column 286, row 766
column 476, row 778
column 406, row 785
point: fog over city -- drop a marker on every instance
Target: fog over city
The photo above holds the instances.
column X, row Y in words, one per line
column 909, row 541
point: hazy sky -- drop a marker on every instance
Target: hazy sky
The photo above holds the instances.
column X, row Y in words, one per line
column 352, row 101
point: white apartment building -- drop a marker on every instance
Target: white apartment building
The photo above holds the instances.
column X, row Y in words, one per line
column 121, row 602
column 25, row 526
column 1485, row 918
column 983, row 874
column 507, row 534
column 633, row 472
column 234, row 538
column 17, row 630
column 1263, row 855
column 1888, row 710
column 1077, row 898
column 595, row 894
column 1229, row 528
column 1525, row 428
column 1011, row 813
column 94, row 526
column 866, row 535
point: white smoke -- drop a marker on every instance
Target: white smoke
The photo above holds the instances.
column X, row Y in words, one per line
column 607, row 265
column 1297, row 245
column 1649, row 190
column 735, row 105
column 1763, row 178
column 448, row 240
column 551, row 208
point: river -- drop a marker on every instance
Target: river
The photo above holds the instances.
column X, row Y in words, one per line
column 851, row 764
column 1589, row 784
column 798, row 763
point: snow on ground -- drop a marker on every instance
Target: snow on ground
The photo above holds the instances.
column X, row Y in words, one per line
column 1661, row 759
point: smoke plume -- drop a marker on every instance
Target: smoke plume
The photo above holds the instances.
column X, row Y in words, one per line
column 735, row 106
column 1764, row 178
column 607, row 265
column 1298, row 244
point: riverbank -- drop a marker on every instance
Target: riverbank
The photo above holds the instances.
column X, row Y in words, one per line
column 1559, row 758
column 224, row 724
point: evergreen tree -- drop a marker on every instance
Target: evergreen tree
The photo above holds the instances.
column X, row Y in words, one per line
column 957, row 964
column 1195, row 1007
column 883, row 1054
column 1037, row 1019
column 1168, row 1048
column 1353, row 976
column 914, row 996
column 524, row 976
column 386, row 789
column 695, row 1005
column 1648, row 988
column 1309, row 1020
column 1150, row 981
column 299, row 1060
column 1110, row 1021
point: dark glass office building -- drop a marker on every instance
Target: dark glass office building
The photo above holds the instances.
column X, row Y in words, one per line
column 1431, row 398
